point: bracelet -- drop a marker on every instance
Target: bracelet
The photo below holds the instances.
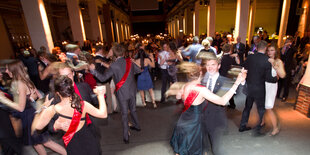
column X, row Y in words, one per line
column 41, row 109
column 236, row 84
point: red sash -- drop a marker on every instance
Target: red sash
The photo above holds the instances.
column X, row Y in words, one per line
column 88, row 121
column 75, row 121
column 124, row 78
column 73, row 126
column 190, row 99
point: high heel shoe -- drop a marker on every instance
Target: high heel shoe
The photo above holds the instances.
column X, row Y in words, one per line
column 154, row 105
column 272, row 134
column 144, row 104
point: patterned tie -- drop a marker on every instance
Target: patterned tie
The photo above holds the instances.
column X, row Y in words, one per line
column 210, row 84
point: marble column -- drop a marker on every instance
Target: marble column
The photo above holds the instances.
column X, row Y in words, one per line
column 242, row 14
column 108, row 23
column 196, row 19
column 37, row 23
column 94, row 20
column 180, row 17
column 251, row 20
column 284, row 20
column 211, row 18
column 76, row 21
column 304, row 18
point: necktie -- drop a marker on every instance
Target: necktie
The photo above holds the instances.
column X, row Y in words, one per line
column 210, row 84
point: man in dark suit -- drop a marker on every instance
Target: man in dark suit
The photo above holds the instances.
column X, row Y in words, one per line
column 259, row 71
column 253, row 49
column 287, row 57
column 227, row 61
column 126, row 94
column 102, row 64
column 239, row 48
column 214, row 116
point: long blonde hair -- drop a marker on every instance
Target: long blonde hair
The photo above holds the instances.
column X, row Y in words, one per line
column 19, row 72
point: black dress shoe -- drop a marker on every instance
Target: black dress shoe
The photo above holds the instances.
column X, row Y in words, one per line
column 126, row 141
column 244, row 128
column 258, row 134
column 284, row 99
column 134, row 128
column 231, row 106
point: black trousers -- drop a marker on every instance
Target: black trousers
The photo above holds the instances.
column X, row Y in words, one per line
column 165, row 78
column 284, row 84
column 260, row 103
column 124, row 106
column 214, row 125
column 11, row 146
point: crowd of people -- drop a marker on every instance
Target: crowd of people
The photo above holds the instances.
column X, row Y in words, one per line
column 44, row 92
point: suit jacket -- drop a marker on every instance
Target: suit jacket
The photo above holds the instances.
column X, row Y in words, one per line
column 259, row 72
column 287, row 59
column 101, row 69
column 241, row 52
column 117, row 71
column 226, row 63
column 215, row 115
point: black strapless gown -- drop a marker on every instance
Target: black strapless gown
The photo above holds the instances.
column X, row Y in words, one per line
column 84, row 142
column 187, row 136
column 27, row 117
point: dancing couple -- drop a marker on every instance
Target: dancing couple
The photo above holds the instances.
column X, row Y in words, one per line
column 188, row 135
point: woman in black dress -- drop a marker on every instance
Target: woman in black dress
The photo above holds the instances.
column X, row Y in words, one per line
column 25, row 94
column 187, row 136
column 70, row 115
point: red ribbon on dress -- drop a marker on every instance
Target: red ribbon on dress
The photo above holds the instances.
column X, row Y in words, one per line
column 73, row 126
column 76, row 90
column 124, row 78
column 190, row 98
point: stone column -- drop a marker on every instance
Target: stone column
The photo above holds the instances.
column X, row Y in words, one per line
column 196, row 19
column 76, row 21
column 180, row 17
column 284, row 20
column 211, row 18
column 107, row 23
column 37, row 23
column 176, row 22
column 242, row 15
column 251, row 20
column 304, row 18
column 94, row 20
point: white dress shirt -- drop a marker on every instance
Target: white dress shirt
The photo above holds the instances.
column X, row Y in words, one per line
column 164, row 55
column 214, row 79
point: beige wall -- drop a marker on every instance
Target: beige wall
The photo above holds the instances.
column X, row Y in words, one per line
column 225, row 15
column 267, row 13
column 203, row 19
column 6, row 50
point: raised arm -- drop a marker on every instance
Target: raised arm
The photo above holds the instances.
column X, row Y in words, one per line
column 22, row 95
column 208, row 95
column 279, row 67
column 44, row 115
column 102, row 77
column 102, row 111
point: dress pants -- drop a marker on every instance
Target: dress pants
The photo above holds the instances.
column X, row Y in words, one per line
column 214, row 125
column 165, row 78
column 260, row 103
column 285, row 84
column 11, row 146
column 124, row 106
